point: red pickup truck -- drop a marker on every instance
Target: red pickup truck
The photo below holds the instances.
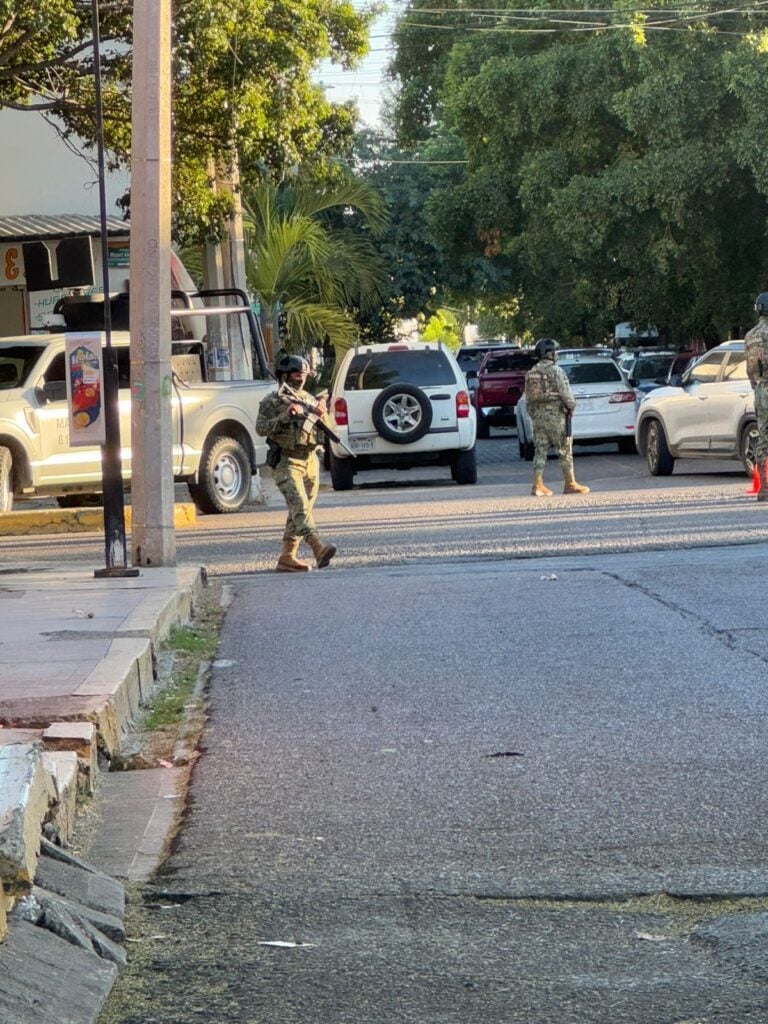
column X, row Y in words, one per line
column 501, row 380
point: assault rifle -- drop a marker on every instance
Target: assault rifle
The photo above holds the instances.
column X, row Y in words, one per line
column 288, row 396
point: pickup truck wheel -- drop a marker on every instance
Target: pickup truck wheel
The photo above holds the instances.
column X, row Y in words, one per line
column 6, row 480
column 660, row 461
column 224, row 479
column 483, row 427
column 402, row 414
column 342, row 474
column 464, row 466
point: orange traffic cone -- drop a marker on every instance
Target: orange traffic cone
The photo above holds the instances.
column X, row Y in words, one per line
column 755, row 488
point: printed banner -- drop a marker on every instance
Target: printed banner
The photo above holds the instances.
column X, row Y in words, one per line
column 85, row 389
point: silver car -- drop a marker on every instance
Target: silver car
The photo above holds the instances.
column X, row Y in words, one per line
column 708, row 413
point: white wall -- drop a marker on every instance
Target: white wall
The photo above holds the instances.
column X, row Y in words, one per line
column 40, row 175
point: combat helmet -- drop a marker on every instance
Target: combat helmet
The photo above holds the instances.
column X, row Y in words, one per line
column 290, row 364
column 761, row 304
column 546, row 348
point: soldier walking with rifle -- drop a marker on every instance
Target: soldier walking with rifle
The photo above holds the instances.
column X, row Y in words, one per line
column 292, row 421
column 550, row 404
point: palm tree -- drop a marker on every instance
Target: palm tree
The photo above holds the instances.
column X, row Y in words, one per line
column 303, row 266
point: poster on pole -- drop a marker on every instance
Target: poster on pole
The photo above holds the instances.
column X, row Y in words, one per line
column 85, row 388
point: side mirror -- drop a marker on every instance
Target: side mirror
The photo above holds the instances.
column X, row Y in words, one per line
column 53, row 391
column 676, row 380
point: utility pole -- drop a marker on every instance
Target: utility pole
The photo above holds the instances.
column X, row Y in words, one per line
column 115, row 549
column 154, row 539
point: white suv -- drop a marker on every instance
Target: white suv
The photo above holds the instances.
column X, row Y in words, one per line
column 398, row 406
column 709, row 412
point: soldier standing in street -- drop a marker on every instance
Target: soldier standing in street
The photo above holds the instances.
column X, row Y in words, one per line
column 756, row 346
column 294, row 440
column 549, row 401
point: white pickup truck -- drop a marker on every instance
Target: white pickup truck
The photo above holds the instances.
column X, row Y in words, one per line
column 216, row 449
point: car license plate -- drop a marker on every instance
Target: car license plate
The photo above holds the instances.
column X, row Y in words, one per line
column 585, row 404
column 361, row 444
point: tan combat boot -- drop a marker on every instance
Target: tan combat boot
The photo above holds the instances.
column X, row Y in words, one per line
column 323, row 552
column 288, row 562
column 539, row 490
column 762, row 468
column 571, row 487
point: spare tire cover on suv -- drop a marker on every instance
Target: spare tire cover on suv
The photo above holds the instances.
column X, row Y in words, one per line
column 402, row 413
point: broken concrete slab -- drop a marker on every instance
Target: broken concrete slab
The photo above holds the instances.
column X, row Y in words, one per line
column 63, row 767
column 105, row 688
column 108, row 924
column 12, row 737
column 26, row 795
column 80, row 737
column 74, row 923
column 45, row 979
column 90, row 888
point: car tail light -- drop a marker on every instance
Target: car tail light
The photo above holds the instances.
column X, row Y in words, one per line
column 340, row 413
column 462, row 405
column 397, row 348
column 622, row 396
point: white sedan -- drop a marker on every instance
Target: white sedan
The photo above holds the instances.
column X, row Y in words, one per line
column 605, row 405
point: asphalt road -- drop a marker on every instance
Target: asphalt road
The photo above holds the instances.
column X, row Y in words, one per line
column 475, row 793
column 421, row 516
column 443, row 784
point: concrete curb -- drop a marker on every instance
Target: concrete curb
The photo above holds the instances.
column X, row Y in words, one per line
column 83, row 651
column 78, row 520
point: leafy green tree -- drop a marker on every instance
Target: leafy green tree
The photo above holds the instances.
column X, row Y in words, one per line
column 242, row 85
column 443, row 326
column 421, row 277
column 308, row 270
column 613, row 174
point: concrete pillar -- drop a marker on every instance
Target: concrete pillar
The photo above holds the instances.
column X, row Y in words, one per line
column 153, row 536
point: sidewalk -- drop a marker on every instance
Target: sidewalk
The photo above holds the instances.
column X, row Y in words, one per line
column 77, row 657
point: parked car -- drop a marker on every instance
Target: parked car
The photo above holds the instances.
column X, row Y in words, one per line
column 215, row 446
column 646, row 370
column 605, row 405
column 399, row 406
column 708, row 413
column 469, row 358
column 679, row 365
column 599, row 350
column 500, row 384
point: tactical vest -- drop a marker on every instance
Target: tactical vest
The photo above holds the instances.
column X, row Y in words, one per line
column 541, row 384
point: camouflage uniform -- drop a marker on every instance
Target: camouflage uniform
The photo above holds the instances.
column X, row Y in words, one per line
column 756, row 346
column 297, row 474
column 548, row 396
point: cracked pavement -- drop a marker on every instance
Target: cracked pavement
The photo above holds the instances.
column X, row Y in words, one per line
column 348, row 802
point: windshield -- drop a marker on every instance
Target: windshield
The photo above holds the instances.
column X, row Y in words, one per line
column 16, row 362
column 373, row 371
column 650, row 367
column 592, row 373
column 514, row 361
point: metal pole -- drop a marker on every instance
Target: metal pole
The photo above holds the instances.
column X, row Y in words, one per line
column 115, row 549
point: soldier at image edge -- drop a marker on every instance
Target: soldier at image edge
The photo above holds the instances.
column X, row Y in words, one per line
column 756, row 347
column 289, row 422
column 550, row 404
